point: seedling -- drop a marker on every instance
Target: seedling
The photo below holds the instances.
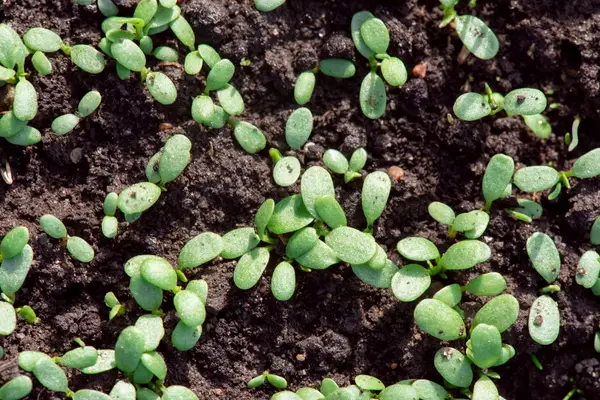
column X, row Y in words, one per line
column 473, row 223
column 116, row 308
column 87, row 106
column 372, row 38
column 337, row 163
column 539, row 125
column 472, row 106
column 476, row 36
column 76, row 246
column 286, row 170
column 572, row 139
column 298, row 128
column 333, row 67
column 527, row 211
column 542, row 178
column 497, row 178
column 275, row 380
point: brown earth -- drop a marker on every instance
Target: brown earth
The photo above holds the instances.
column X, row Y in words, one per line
column 340, row 326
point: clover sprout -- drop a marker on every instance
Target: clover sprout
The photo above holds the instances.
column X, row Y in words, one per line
column 410, row 282
column 87, row 106
column 544, row 320
column 539, row 125
column 544, row 256
column 489, row 284
column 572, row 139
column 50, row 375
column 201, row 249
column 527, row 211
column 502, row 312
column 371, row 38
column 286, row 171
column 116, row 308
column 473, row 106
column 375, row 193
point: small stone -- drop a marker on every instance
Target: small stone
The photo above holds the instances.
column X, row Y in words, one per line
column 420, row 70
column 76, row 155
column 396, row 173
column 301, row 357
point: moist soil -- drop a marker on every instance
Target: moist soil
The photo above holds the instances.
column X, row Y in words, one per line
column 335, row 325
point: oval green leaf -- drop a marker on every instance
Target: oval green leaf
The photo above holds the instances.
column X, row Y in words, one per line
column 501, row 311
column 477, row 36
column 161, row 88
column 129, row 349
column 250, row 268
column 87, row 58
column 250, row 138
column 454, row 367
column 525, row 102
column 544, row 320
column 351, row 245
column 465, row 255
column 471, row 106
column 201, row 249
column 80, row 249
column 489, row 284
column 287, row 171
column 337, row 68
column 298, row 128
column 544, row 256
column 283, row 282
column 373, row 98
column 410, row 282
column 394, row 71
column 289, row 215
column 439, row 320
column 303, row 89
column 588, row 165
column 417, row 249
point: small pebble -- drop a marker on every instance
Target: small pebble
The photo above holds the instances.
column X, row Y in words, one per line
column 396, row 173
column 420, row 70
column 76, row 155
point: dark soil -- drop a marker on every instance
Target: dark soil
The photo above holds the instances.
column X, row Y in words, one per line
column 335, row 325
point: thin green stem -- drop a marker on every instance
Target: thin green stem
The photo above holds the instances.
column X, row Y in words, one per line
column 275, row 155
column 536, row 362
column 550, row 289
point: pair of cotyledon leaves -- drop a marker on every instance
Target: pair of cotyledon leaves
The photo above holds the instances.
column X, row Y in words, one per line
column 339, row 164
column 76, row 246
column 371, row 38
column 87, row 105
column 473, row 106
column 334, row 67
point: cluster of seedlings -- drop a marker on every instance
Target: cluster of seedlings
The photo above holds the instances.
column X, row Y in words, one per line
column 306, row 231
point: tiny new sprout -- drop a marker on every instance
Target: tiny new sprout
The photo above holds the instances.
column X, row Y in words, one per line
column 337, row 163
column 116, row 308
column 476, row 36
column 542, row 178
column 473, row 223
column 372, row 38
column 333, row 67
column 76, row 246
column 572, row 139
column 87, row 106
column 275, row 380
column 472, row 106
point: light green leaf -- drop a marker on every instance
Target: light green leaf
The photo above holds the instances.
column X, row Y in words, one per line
column 375, row 193
column 80, row 249
column 410, row 282
column 375, row 35
column 267, row 5
column 451, row 294
column 158, row 272
column 263, row 216
column 308, row 393
column 283, row 282
column 202, row 109
column 502, row 312
column 486, row 345
column 439, row 320
column 139, row 197
column 200, row 287
column 26, row 137
column 133, row 265
column 166, row 53
column 17, row 388
column 464, row 222
column 145, row 10
column 175, row 157
column 316, row 182
column 489, row 284
column 373, row 98
column 151, row 326
column 123, row 390
column 525, row 102
column 588, row 165
column 328, row 386
column 544, row 320
column 129, row 55
column 417, row 249
column 178, row 393
column 428, row 390
column 399, row 392
column 209, row 55
column 50, row 375
column 193, row 63
column 12, row 49
column 190, row 308
column 394, row 71
column 595, row 232
column 13, row 271
column 148, row 296
column 87, row 58
column 482, row 220
column 298, row 128
column 64, row 124
column 304, row 87
column 42, row 39
column 539, row 125
column 471, row 106
column 351, row 245
column 155, row 364
column 10, row 125
column 41, row 63
column 89, row 103
column 185, row 337
column 465, row 255
column 544, row 256
column 454, row 367
column 250, row 138
column 508, row 352
column 441, row 213
column 80, row 358
column 301, row 242
column 105, row 362
column 286, row 394
column 536, row 179
column 231, row 100
column 25, row 103
column 497, row 176
column 107, row 8
column 289, row 215
column 28, row 359
column 220, row 74
column 355, row 28
column 8, row 319
column 122, row 72
column 320, row 256
column 14, row 242
column 337, row 67
column 218, row 119
column 335, row 161
column 330, row 211
column 161, row 88
column 129, row 349
column 238, row 242
column 367, row 382
column 146, row 44
column 184, row 32
column 477, row 36
column 287, row 171
column 201, row 249
column 250, row 268
column 588, row 269
column 379, row 278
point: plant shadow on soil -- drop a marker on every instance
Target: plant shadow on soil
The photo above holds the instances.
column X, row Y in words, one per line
column 335, row 325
